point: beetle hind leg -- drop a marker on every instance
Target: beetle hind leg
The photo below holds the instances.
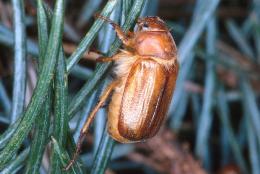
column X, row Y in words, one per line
column 89, row 120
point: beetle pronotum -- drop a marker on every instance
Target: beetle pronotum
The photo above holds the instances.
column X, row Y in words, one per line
column 146, row 71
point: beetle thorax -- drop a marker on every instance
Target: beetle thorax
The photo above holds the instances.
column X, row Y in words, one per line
column 157, row 44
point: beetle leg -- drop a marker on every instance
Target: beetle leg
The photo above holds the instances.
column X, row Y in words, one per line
column 109, row 59
column 130, row 34
column 93, row 55
column 120, row 33
column 99, row 57
column 89, row 120
column 121, row 54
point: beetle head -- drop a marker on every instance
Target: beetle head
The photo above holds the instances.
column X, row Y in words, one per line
column 151, row 23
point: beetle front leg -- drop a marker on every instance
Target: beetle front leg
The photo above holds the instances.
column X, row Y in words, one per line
column 89, row 120
column 120, row 33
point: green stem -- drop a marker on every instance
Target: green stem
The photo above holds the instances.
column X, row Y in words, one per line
column 17, row 162
column 19, row 84
column 60, row 110
column 43, row 123
column 103, row 154
column 41, row 89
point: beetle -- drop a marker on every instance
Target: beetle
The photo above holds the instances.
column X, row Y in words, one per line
column 145, row 75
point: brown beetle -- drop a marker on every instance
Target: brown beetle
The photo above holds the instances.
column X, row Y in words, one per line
column 146, row 71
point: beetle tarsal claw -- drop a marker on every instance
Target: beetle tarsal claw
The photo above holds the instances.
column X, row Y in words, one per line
column 76, row 154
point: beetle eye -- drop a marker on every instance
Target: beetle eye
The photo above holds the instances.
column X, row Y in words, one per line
column 145, row 26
